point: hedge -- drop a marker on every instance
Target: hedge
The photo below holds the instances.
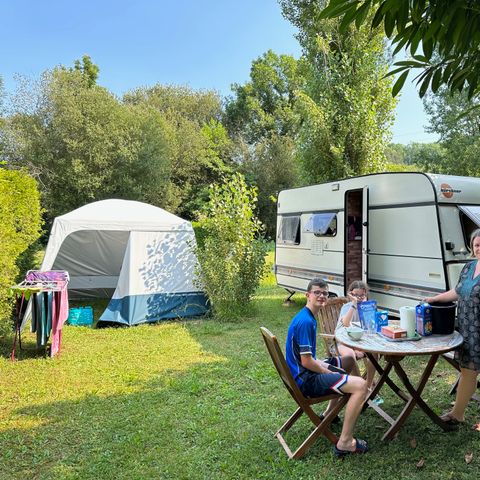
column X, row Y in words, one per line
column 20, row 227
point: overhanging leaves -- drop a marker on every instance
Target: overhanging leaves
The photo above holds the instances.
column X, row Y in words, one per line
column 443, row 29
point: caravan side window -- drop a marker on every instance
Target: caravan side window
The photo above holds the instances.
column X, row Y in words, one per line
column 289, row 229
column 470, row 221
column 322, row 224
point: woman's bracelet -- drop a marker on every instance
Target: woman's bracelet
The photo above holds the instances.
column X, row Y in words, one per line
column 353, row 306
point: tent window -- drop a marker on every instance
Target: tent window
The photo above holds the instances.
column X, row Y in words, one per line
column 289, row 230
column 322, row 224
column 470, row 221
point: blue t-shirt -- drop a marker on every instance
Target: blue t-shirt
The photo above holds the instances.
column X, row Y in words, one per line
column 301, row 338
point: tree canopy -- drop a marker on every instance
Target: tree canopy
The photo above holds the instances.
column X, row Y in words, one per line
column 448, row 34
column 345, row 107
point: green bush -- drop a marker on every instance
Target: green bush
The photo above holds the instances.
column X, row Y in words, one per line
column 231, row 251
column 20, row 225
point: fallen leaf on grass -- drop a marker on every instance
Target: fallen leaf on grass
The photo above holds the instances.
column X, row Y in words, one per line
column 468, row 457
column 421, row 463
column 413, row 442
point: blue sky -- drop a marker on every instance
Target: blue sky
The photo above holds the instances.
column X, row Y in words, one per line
column 205, row 44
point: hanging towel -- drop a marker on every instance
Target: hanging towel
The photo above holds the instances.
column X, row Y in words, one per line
column 59, row 317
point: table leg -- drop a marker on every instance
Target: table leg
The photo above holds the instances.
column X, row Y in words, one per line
column 415, row 398
column 384, row 378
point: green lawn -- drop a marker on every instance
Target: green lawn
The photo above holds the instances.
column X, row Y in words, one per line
column 195, row 400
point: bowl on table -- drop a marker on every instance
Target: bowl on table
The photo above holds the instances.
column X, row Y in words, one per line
column 355, row 333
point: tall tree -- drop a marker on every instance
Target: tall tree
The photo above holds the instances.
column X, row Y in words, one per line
column 83, row 145
column 200, row 149
column 458, row 125
column 260, row 116
column 346, row 109
column 447, row 33
column 263, row 106
column 428, row 157
column 88, row 69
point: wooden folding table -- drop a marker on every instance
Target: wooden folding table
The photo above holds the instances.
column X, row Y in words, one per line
column 394, row 352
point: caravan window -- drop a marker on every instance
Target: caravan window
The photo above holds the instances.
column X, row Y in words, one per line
column 470, row 220
column 322, row 224
column 289, row 229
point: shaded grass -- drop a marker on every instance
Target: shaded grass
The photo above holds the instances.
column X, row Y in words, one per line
column 196, row 400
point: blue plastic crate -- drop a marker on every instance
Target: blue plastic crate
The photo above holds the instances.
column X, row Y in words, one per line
column 82, row 316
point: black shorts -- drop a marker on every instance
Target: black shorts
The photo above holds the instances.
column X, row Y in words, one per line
column 320, row 384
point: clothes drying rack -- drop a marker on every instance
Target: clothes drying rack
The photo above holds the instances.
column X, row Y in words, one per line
column 35, row 281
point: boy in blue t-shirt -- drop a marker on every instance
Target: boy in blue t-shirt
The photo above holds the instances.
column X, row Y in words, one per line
column 322, row 377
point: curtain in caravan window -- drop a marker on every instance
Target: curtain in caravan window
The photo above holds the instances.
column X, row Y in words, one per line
column 322, row 224
column 470, row 221
column 289, row 231
column 472, row 212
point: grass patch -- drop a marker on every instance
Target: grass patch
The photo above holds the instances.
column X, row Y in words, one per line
column 195, row 400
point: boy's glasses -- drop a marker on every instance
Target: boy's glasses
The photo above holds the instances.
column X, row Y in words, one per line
column 320, row 293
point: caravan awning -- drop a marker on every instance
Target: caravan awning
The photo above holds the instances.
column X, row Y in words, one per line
column 472, row 212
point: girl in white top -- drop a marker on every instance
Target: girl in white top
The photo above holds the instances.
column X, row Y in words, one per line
column 357, row 292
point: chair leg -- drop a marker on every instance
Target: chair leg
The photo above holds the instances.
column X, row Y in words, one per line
column 321, row 428
column 287, row 425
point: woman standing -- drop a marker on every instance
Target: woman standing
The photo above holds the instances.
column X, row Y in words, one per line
column 467, row 292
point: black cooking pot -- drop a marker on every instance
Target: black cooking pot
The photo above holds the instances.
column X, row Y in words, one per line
column 443, row 317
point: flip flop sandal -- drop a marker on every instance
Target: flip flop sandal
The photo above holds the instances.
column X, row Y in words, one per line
column 476, row 427
column 360, row 447
column 448, row 419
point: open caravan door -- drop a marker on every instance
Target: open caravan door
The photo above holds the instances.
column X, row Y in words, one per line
column 365, row 234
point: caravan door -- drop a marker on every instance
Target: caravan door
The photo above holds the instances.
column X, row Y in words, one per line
column 365, row 234
column 354, row 263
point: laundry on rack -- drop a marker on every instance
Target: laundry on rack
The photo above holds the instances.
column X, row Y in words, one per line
column 48, row 305
column 59, row 317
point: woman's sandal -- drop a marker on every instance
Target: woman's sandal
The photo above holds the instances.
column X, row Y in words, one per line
column 360, row 447
column 476, row 427
column 450, row 420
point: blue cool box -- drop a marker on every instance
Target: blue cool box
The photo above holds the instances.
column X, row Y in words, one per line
column 82, row 316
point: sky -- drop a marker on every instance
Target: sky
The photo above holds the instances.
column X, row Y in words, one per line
column 203, row 44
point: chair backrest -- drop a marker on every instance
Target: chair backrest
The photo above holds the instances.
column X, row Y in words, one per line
column 328, row 319
column 281, row 366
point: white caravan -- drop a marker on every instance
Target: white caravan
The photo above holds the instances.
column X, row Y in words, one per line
column 405, row 234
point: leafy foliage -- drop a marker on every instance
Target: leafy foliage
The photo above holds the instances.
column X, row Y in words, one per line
column 20, row 225
column 448, row 29
column 456, row 119
column 83, row 145
column 263, row 107
column 428, row 157
column 199, row 147
column 88, row 69
column 231, row 253
column 345, row 107
column 272, row 166
column 262, row 121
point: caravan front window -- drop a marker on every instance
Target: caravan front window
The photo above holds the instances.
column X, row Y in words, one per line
column 289, row 229
column 470, row 220
column 322, row 224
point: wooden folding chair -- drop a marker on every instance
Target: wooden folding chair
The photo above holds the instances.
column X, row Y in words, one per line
column 328, row 319
column 304, row 403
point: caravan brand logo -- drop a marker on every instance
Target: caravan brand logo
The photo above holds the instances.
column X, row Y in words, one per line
column 447, row 191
